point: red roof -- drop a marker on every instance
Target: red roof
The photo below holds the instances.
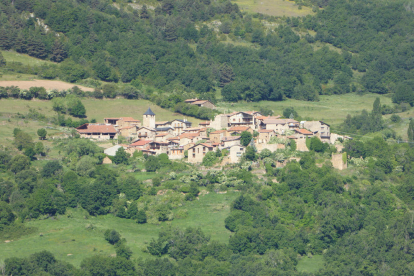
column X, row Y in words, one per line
column 129, row 119
column 127, row 127
column 303, row 131
column 239, row 128
column 265, row 130
column 206, row 123
column 189, row 135
column 161, row 134
column 140, row 143
column 218, row 131
column 96, row 128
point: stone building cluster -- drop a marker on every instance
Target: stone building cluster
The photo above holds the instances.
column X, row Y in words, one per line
column 177, row 136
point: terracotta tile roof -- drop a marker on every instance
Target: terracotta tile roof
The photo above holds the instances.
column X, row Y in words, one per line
column 292, row 137
column 239, row 128
column 140, row 143
column 303, row 131
column 162, row 134
column 161, row 143
column 230, row 138
column 279, row 121
column 265, row 130
column 206, row 123
column 218, row 131
column 190, row 100
column 127, row 127
column 206, row 145
column 194, row 129
column 96, row 128
column 173, row 138
column 189, row 135
column 199, row 102
column 129, row 119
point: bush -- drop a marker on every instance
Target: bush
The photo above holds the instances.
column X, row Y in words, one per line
column 112, row 236
column 395, row 118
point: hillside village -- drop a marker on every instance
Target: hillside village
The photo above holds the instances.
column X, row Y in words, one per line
column 179, row 138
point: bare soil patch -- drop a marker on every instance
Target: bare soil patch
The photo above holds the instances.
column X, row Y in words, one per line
column 47, row 84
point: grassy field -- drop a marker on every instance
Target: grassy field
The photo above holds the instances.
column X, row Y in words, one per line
column 310, row 264
column 330, row 109
column 272, row 7
column 96, row 109
column 73, row 234
column 12, row 56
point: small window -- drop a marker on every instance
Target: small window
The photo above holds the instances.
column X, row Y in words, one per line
column 193, row 155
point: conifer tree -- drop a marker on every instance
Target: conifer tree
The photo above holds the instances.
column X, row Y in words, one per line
column 410, row 131
column 226, row 74
column 58, row 51
column 144, row 12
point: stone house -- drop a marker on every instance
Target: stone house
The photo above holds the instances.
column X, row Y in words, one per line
column 162, row 136
column 180, row 125
column 321, row 129
column 146, row 133
column 240, row 129
column 128, row 121
column 159, row 147
column 229, row 141
column 162, row 124
column 187, row 138
column 217, row 136
column 201, row 103
column 140, row 145
column 196, row 153
column 97, row 131
column 128, row 131
column 242, row 119
column 302, row 133
column 204, row 124
column 176, row 153
column 265, row 135
column 279, row 125
column 235, row 153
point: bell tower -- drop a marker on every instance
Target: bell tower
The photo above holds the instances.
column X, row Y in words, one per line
column 149, row 119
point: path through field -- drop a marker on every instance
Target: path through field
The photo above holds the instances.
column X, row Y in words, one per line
column 48, row 84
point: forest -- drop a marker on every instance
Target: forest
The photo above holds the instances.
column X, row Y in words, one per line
column 176, row 48
column 358, row 221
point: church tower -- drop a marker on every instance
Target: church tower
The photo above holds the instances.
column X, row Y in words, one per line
column 149, row 119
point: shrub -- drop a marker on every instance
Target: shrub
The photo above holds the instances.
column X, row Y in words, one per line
column 112, row 236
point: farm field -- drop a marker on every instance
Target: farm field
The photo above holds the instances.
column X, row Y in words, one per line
column 82, row 238
column 273, row 7
column 96, row 109
column 331, row 109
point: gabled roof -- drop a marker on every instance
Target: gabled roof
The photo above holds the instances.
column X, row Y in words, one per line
column 150, row 129
column 230, row 138
column 163, row 128
column 149, row 112
column 127, row 127
column 129, row 119
column 199, row 102
column 239, row 128
column 182, row 121
column 189, row 135
column 140, row 143
column 161, row 123
column 279, row 121
column 218, row 131
column 162, row 134
column 303, row 131
column 265, row 130
column 190, row 100
column 206, row 123
column 96, row 128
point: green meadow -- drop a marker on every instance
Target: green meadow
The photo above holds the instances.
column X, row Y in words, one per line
column 75, row 236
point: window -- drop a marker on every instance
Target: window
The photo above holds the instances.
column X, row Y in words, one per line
column 193, row 155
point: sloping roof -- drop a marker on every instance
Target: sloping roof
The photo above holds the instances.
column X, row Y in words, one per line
column 206, row 123
column 230, row 138
column 182, row 121
column 149, row 112
column 140, row 143
column 129, row 119
column 279, row 121
column 199, row 102
column 96, row 128
column 190, row 100
column 268, row 117
column 239, row 128
column 162, row 134
column 265, row 130
column 189, row 135
column 218, row 131
column 173, row 138
column 150, row 129
column 303, row 131
column 127, row 127
column 163, row 128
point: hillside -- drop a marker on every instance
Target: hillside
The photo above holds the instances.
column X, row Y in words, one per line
column 303, row 163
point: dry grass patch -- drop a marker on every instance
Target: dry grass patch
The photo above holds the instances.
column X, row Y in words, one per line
column 273, row 7
column 47, row 84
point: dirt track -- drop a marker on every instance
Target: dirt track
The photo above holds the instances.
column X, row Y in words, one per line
column 59, row 85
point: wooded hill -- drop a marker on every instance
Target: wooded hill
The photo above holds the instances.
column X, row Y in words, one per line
column 178, row 46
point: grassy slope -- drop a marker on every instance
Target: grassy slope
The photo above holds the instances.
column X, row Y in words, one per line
column 71, row 235
column 272, row 7
column 12, row 56
column 97, row 109
column 331, row 109
column 311, row 265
